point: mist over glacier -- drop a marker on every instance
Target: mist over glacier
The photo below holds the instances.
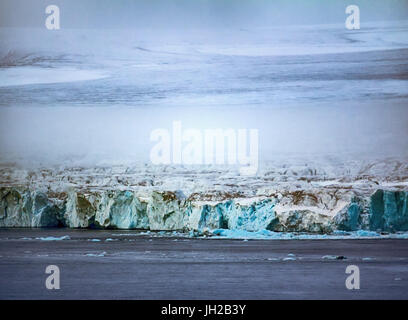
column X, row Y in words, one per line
column 93, row 91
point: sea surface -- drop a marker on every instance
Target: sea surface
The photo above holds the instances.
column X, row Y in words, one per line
column 148, row 267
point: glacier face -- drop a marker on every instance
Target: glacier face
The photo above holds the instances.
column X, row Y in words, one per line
column 389, row 211
column 383, row 210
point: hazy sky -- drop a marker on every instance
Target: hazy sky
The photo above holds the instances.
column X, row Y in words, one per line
column 195, row 13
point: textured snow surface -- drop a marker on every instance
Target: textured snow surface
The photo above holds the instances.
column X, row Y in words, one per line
column 34, row 75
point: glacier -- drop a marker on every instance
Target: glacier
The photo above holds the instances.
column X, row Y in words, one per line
column 319, row 198
column 381, row 211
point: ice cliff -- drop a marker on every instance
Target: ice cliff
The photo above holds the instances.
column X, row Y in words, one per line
column 383, row 210
column 285, row 196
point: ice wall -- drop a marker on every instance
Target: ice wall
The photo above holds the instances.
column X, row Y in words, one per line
column 384, row 210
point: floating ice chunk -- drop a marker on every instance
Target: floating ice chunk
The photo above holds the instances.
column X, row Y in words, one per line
column 365, row 233
column 289, row 259
column 329, row 257
column 54, row 238
column 96, row 254
column 401, row 235
column 243, row 234
column 333, row 257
